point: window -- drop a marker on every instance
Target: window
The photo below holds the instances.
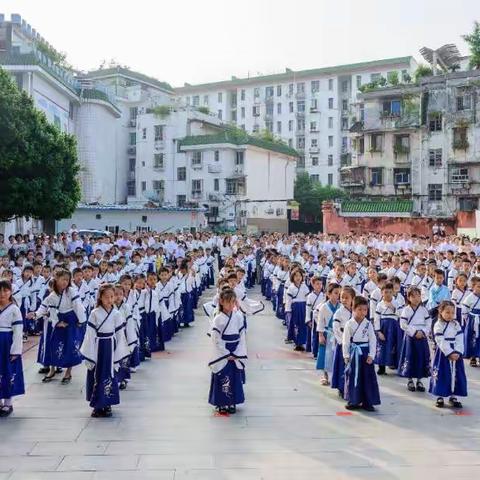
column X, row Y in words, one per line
column 301, row 87
column 300, row 124
column 205, row 99
column 269, row 109
column 131, row 164
column 330, row 83
column 401, row 176
column 313, row 126
column 467, row 204
column 256, row 110
column 361, row 145
column 315, row 178
column 290, row 89
column 344, row 143
column 279, row 127
column 330, row 178
column 242, row 94
column 405, row 75
column 71, row 110
column 269, row 92
column 392, row 108
column 330, row 141
column 377, row 176
column 256, row 92
column 301, row 106
column 279, row 108
column 157, row 185
column 239, row 157
column 290, row 143
column 314, row 161
column 197, row 186
column 216, row 184
column 330, row 160
column 196, row 100
column 434, row 192
column 131, row 191
column 330, row 122
column 133, row 138
column 235, row 186
column 375, row 77
column 376, row 142
column 158, row 132
column 181, row 174
column 269, row 125
column 220, row 97
column 242, row 112
column 315, row 86
column 290, row 125
column 330, row 103
column 301, row 143
column 279, row 90
column 220, row 114
column 196, row 159
column 314, row 105
column 158, row 160
column 144, row 186
column 234, row 116
column 435, row 122
column 187, row 100
column 133, row 113
column 216, row 155
column 464, row 102
column 344, row 86
column 435, row 157
column 344, row 123
column 144, row 133
column 290, row 107
column 314, row 143
column 401, row 144
column 460, row 141
column 181, row 200
column 359, row 81
column 459, row 175
column 345, row 105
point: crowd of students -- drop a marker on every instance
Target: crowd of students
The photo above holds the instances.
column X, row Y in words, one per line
column 402, row 303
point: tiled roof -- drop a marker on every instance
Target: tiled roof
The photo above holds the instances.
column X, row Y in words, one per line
column 290, row 74
column 104, row 72
column 375, row 206
column 238, row 138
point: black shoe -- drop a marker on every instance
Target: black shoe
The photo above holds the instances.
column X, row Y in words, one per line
column 299, row 348
column 232, row 409
column 473, row 362
column 186, row 325
column 411, row 386
column 44, row 370
column 66, row 380
column 5, row 411
column 454, row 402
column 420, row 387
column 107, row 412
column 122, row 385
column 97, row 413
column 381, row 370
column 439, row 403
column 48, row 378
column 368, row 408
column 349, row 406
column 222, row 410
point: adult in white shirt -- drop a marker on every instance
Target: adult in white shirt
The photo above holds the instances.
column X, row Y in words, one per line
column 124, row 241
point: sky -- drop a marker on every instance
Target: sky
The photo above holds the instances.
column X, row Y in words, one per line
column 196, row 41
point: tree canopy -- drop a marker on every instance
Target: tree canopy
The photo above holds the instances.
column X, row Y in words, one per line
column 473, row 40
column 310, row 195
column 38, row 162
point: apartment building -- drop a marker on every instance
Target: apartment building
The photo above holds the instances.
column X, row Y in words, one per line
column 311, row 110
column 418, row 142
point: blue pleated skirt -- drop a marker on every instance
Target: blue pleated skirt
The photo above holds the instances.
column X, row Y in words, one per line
column 11, row 373
column 187, row 304
column 280, row 310
column 441, row 379
column 65, row 342
column 387, row 350
column 298, row 323
column 472, row 342
column 338, row 370
column 414, row 358
column 226, row 386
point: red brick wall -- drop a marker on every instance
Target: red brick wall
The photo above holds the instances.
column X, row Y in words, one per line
column 333, row 223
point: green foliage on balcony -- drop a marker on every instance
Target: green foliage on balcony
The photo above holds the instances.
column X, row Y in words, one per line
column 204, row 110
column 399, row 149
column 461, row 144
column 160, row 110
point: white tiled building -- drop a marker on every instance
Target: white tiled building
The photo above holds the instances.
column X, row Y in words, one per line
column 308, row 109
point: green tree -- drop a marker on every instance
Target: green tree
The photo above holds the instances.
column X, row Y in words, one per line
column 310, row 195
column 422, row 71
column 38, row 163
column 473, row 40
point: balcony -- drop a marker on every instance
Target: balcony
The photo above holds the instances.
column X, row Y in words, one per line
column 214, row 168
column 238, row 171
column 314, row 149
column 132, row 149
column 314, row 110
column 460, row 144
column 159, row 167
column 197, row 165
column 300, row 114
column 346, row 160
column 300, row 95
column 158, row 144
column 353, row 178
column 214, row 197
column 131, row 175
column 197, row 194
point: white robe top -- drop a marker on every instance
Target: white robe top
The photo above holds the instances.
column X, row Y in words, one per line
column 362, row 332
column 295, row 294
column 67, row 301
column 449, row 337
column 223, row 324
column 11, row 321
column 417, row 319
column 340, row 319
column 323, row 316
column 314, row 301
column 385, row 311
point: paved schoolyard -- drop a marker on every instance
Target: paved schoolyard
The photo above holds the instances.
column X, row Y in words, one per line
column 290, row 427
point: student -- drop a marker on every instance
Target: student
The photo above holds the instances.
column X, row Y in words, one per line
column 385, row 322
column 230, row 352
column 314, row 299
column 459, row 293
column 295, row 307
column 340, row 319
column 22, row 295
column 63, row 314
column 471, row 310
column 359, row 344
column 438, row 293
column 104, row 348
column 415, row 354
column 448, row 372
column 11, row 346
column 324, row 326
